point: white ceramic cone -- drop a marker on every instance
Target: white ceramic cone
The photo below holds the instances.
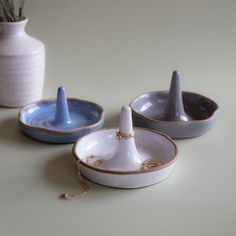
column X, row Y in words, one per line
column 126, row 157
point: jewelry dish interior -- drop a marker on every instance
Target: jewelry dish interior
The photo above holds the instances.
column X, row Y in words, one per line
column 125, row 158
column 60, row 120
column 175, row 113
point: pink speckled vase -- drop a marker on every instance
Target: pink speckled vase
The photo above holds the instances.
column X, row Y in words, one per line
column 22, row 65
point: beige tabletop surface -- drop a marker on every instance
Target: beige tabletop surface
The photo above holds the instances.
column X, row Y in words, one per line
column 110, row 51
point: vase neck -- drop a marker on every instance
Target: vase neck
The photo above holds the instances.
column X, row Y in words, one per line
column 13, row 29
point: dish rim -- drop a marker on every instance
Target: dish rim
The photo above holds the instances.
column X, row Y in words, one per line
column 51, row 131
column 141, row 171
column 175, row 122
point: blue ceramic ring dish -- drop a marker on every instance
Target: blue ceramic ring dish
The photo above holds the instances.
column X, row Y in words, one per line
column 175, row 113
column 60, row 120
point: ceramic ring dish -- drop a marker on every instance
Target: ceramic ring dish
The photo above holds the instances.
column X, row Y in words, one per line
column 175, row 113
column 127, row 157
column 60, row 120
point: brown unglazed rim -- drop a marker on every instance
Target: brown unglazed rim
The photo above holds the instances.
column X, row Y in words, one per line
column 175, row 122
column 24, row 125
column 141, row 171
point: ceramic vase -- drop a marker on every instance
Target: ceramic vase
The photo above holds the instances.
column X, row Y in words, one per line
column 22, row 65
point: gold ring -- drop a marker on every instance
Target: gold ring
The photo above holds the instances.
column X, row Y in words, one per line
column 121, row 135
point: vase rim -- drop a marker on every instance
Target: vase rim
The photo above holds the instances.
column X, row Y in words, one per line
column 24, row 20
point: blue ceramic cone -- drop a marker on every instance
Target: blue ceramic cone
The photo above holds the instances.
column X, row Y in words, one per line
column 175, row 109
column 62, row 116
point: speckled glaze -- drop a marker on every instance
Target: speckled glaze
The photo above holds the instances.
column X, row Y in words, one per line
column 121, row 159
column 175, row 113
column 22, row 65
column 60, row 120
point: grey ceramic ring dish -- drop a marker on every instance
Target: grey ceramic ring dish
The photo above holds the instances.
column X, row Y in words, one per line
column 60, row 120
column 175, row 113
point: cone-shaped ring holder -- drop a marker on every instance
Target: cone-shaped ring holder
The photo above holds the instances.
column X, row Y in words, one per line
column 176, row 113
column 62, row 116
column 125, row 157
column 174, row 110
column 60, row 120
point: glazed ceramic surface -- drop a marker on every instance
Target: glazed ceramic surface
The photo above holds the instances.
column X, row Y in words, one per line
column 22, row 65
column 175, row 113
column 149, row 107
column 117, row 158
column 103, row 144
column 61, row 120
column 126, row 156
column 174, row 108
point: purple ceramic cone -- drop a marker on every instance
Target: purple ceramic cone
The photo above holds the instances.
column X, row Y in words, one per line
column 175, row 109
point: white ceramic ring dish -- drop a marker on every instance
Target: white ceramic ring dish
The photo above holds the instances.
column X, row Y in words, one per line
column 118, row 160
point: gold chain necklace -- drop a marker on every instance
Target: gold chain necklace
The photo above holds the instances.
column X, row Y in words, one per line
column 148, row 164
column 85, row 187
column 151, row 163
